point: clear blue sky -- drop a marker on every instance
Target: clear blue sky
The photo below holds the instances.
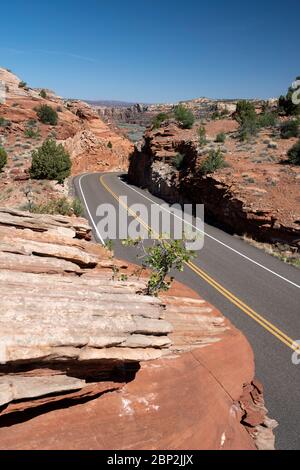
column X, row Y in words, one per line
column 153, row 50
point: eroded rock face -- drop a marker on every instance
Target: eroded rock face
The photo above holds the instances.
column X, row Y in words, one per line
column 83, row 356
column 249, row 196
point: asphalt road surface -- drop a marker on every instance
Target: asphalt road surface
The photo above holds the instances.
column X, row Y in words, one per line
column 257, row 292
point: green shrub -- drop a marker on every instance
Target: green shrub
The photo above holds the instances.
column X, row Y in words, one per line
column 221, row 137
column 47, row 115
column 294, row 154
column 245, row 111
column 213, row 162
column 59, row 109
column 202, row 136
column 289, row 129
column 3, row 158
column 159, row 119
column 184, row 116
column 110, row 145
column 247, row 129
column 286, row 105
column 60, row 206
column 50, row 162
column 178, row 161
column 32, row 133
column 266, row 119
column 4, row 122
column 22, row 84
column 43, row 94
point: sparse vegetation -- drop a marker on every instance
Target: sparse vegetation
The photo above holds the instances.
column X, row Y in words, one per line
column 294, row 154
column 246, row 116
column 221, row 137
column 267, row 119
column 4, row 122
column 43, row 94
column 184, row 116
column 159, row 119
column 50, row 161
column 178, row 161
column 47, row 115
column 32, row 133
column 110, row 145
column 22, row 84
column 3, row 158
column 286, row 105
column 213, row 162
column 202, row 136
column 161, row 258
column 60, row 206
column 289, row 129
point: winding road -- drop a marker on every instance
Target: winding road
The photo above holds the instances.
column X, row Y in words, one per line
column 257, row 292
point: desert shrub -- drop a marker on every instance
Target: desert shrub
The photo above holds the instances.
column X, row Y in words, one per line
column 286, row 105
column 43, row 94
column 184, row 116
column 3, row 158
column 213, row 162
column 159, row 119
column 22, row 84
column 266, row 119
column 59, row 109
column 245, row 111
column 60, row 206
column 4, row 122
column 162, row 257
column 51, row 162
column 178, row 161
column 47, row 115
column 110, row 145
column 202, row 135
column 289, row 129
column 32, row 133
column 221, row 137
column 294, row 154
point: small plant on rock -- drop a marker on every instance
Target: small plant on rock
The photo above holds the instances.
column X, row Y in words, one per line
column 161, row 258
column 159, row 119
column 47, row 115
column 202, row 136
column 213, row 162
column 43, row 94
column 3, row 158
column 178, row 161
column 294, row 154
column 289, row 129
column 221, row 137
column 184, row 116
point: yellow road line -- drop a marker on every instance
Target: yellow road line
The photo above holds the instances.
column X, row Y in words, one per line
column 284, row 338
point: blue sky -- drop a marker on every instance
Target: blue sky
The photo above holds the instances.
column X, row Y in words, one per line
column 153, row 50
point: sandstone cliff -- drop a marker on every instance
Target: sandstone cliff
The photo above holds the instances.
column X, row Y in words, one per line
column 91, row 362
column 92, row 145
column 256, row 193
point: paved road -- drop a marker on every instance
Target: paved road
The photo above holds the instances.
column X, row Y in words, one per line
column 257, row 292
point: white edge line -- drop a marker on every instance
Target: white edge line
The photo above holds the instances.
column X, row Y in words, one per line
column 213, row 238
column 88, row 210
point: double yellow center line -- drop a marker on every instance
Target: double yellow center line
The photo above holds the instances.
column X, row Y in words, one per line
column 284, row 338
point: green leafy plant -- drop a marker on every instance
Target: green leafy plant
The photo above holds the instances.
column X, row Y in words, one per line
column 221, row 137
column 50, row 161
column 159, row 119
column 202, row 136
column 3, row 158
column 184, row 116
column 161, row 258
column 43, row 94
column 213, row 162
column 178, row 161
column 47, row 115
column 286, row 105
column 289, row 129
column 267, row 119
column 294, row 154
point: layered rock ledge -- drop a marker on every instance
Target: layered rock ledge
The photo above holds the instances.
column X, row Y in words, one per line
column 88, row 361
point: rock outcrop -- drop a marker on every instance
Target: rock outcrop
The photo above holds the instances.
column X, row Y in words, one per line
column 88, row 361
column 255, row 193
